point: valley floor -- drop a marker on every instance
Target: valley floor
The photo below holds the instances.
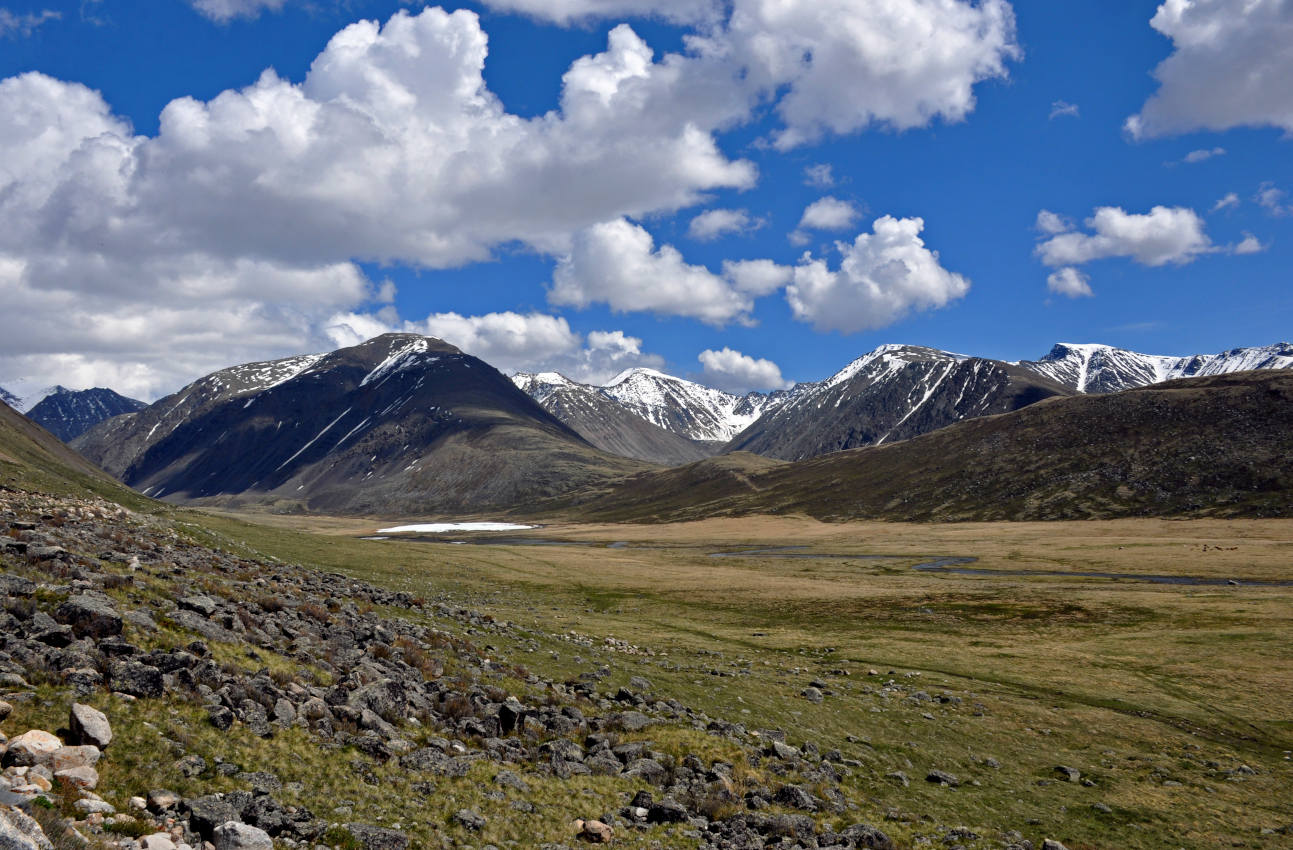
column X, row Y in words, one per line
column 1169, row 702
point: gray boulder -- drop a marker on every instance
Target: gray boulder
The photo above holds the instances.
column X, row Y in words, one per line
column 90, row 726
column 239, row 836
column 89, row 616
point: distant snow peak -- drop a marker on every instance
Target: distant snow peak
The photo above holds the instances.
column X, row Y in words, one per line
column 1097, row 368
column 684, row 407
column 890, row 356
column 540, row 385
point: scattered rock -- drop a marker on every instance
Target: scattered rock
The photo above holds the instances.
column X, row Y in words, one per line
column 378, row 838
column 943, row 778
column 470, row 820
column 1068, row 774
column 593, row 831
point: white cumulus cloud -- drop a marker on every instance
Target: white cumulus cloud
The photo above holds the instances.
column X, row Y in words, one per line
column 829, row 213
column 712, row 224
column 908, row 62
column 1250, row 244
column 738, row 373
column 820, row 176
column 1230, row 67
column 1271, row 198
column 617, row 263
column 253, row 207
column 757, row 277
column 1161, row 236
column 1069, row 281
column 883, row 276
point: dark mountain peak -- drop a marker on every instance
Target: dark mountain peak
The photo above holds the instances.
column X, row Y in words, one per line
column 67, row 414
column 398, row 422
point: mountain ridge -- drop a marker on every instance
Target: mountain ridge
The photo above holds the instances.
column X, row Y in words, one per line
column 398, row 423
column 1210, row 446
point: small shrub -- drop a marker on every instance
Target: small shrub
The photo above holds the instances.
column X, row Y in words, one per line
column 130, row 828
column 317, row 611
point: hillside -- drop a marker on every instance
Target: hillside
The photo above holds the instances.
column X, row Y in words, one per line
column 31, row 458
column 1216, row 446
column 401, row 423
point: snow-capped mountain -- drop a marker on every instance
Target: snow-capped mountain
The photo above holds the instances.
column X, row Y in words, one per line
column 67, row 414
column 687, row 408
column 678, row 406
column 608, row 424
column 892, row 393
column 9, row 398
column 401, row 422
column 1093, row 368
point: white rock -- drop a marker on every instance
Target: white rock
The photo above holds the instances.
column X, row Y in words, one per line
column 94, row 807
column 160, row 841
column 34, row 747
column 240, row 836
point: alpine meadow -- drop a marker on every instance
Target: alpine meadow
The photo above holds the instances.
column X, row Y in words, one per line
column 671, row 425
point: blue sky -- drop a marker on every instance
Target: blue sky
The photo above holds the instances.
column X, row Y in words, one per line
column 886, row 162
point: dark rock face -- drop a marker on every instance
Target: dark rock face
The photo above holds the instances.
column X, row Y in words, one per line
column 399, row 419
column 67, row 414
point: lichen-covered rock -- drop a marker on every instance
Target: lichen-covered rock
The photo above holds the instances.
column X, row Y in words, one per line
column 89, row 616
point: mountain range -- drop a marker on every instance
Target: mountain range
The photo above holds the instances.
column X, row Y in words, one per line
column 399, row 424
column 406, row 424
column 891, row 393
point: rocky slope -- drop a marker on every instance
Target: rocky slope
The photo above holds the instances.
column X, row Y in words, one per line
column 9, row 398
column 67, row 414
column 890, row 394
column 400, row 423
column 1093, row 368
column 1216, row 446
column 608, row 424
column 219, row 701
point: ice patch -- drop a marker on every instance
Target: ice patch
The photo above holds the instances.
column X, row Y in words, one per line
column 445, row 527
